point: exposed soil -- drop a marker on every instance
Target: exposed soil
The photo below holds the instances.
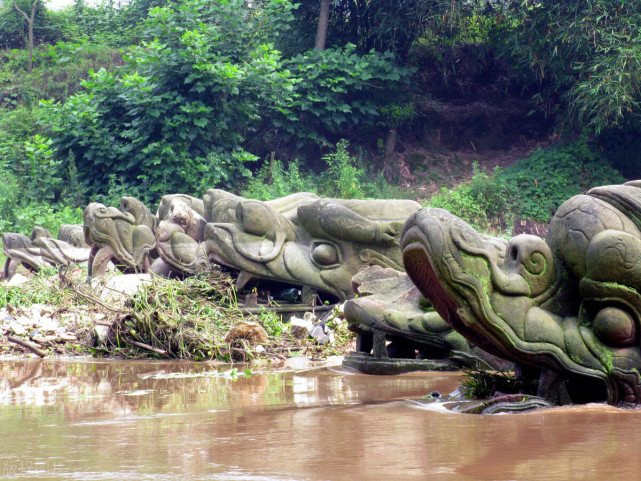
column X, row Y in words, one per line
column 469, row 117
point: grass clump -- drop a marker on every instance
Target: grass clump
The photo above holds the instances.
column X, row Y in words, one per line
column 345, row 177
column 43, row 288
column 275, row 180
column 168, row 318
column 186, row 319
column 481, row 384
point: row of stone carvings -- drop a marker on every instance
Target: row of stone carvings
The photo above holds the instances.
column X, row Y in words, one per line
column 300, row 239
column 565, row 310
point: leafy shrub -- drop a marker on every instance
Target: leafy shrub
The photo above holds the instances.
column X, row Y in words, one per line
column 272, row 322
column 581, row 58
column 543, row 181
column 175, row 117
column 274, row 180
column 345, row 177
column 342, row 178
column 13, row 26
column 31, row 180
column 59, row 71
column 20, row 213
column 16, row 126
column 8, row 199
column 481, row 202
column 337, row 89
column 49, row 216
column 41, row 176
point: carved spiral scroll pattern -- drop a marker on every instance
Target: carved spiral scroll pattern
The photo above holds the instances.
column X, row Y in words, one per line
column 530, row 257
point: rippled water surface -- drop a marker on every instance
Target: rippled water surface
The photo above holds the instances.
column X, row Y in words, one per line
column 68, row 420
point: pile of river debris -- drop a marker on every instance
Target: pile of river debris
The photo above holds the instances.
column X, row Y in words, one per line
column 143, row 315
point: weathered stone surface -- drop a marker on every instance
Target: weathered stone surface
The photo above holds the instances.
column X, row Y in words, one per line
column 511, row 403
column 67, row 337
column 42, row 250
column 300, row 328
column 16, row 280
column 180, row 236
column 119, row 288
column 124, row 236
column 20, row 249
column 68, row 249
column 100, row 334
column 419, row 338
column 567, row 309
column 303, row 240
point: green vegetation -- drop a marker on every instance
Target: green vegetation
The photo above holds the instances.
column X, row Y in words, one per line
column 482, row 384
column 484, row 202
column 344, row 177
column 582, row 57
column 541, row 182
column 39, row 292
column 155, row 97
column 533, row 188
column 185, row 319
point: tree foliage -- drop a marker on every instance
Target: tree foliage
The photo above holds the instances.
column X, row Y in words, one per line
column 181, row 114
column 383, row 25
column 211, row 85
column 337, row 91
column 14, row 27
column 175, row 117
column 584, row 58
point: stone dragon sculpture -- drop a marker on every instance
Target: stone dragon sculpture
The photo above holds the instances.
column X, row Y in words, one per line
column 398, row 329
column 41, row 249
column 566, row 310
column 122, row 235
column 180, row 236
column 303, row 240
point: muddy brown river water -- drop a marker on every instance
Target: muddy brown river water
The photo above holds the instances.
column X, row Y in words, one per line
column 114, row 420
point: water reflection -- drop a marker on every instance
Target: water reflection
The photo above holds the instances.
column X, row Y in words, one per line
column 139, row 420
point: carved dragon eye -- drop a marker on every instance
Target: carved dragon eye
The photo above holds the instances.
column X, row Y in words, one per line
column 325, row 254
column 615, row 327
column 254, row 218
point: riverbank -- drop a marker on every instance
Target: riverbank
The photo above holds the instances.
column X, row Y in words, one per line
column 142, row 316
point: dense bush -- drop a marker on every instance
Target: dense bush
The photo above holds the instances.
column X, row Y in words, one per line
column 275, row 180
column 19, row 211
column 541, row 182
column 208, row 92
column 30, row 178
column 337, row 91
column 583, row 59
column 180, row 116
column 13, row 25
column 175, row 118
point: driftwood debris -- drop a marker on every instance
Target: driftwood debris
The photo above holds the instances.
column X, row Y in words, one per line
column 26, row 344
column 142, row 345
